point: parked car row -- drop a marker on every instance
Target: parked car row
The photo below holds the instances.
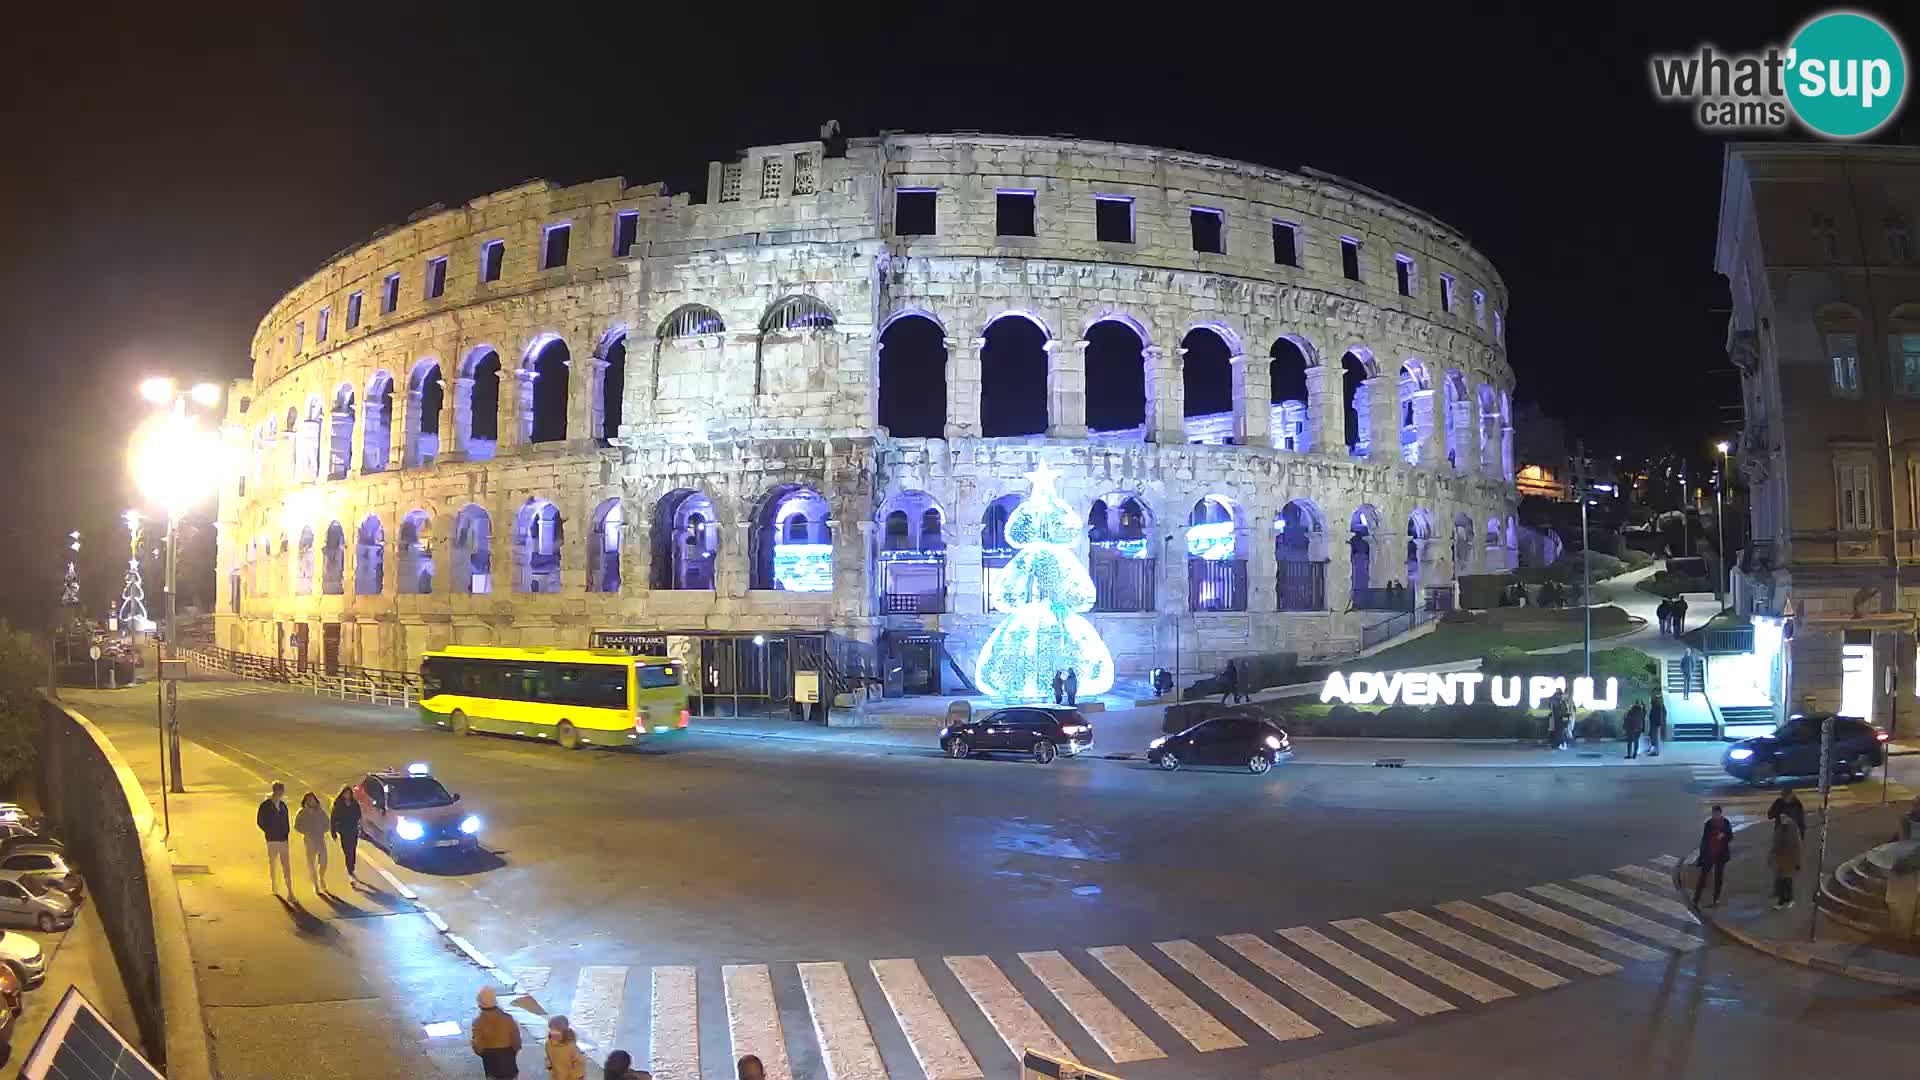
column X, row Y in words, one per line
column 39, row 888
column 1223, row 736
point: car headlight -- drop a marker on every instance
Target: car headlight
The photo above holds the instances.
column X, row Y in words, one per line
column 944, row 732
column 409, row 829
column 1273, row 743
column 1157, row 743
column 471, row 824
column 1739, row 753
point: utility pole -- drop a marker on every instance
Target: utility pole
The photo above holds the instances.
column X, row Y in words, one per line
column 173, row 648
column 1586, row 565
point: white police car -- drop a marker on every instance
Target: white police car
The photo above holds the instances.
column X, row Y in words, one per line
column 407, row 811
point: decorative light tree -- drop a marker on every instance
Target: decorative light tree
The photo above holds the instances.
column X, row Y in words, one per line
column 1044, row 588
column 133, row 594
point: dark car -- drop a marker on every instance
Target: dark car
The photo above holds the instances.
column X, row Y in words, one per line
column 1039, row 730
column 1793, row 749
column 407, row 811
column 1227, row 738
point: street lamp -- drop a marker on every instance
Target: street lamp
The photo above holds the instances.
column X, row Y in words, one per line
column 174, row 464
column 1720, row 525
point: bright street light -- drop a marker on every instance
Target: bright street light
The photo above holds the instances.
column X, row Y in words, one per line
column 157, row 390
column 205, row 394
column 1723, row 447
column 173, row 461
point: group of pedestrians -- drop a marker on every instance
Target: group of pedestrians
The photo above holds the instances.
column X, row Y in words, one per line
column 1673, row 616
column 1789, row 817
column 1234, row 685
column 1066, row 687
column 1649, row 720
column 496, row 1042
column 314, row 824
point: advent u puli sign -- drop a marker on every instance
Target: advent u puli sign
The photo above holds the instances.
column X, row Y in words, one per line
column 1422, row 688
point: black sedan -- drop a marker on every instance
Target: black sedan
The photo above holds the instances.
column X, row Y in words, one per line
column 1041, row 731
column 1793, row 749
column 1226, row 739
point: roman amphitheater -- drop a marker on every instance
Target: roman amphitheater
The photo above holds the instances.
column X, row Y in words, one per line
column 781, row 429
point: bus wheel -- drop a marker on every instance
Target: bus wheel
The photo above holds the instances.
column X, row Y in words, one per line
column 569, row 738
column 459, row 722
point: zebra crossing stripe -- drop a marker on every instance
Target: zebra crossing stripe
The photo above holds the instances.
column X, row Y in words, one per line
column 1666, row 860
column 1567, row 924
column 1305, row 981
column 1467, row 945
column 1367, row 973
column 930, row 1034
column 753, row 1020
column 1641, row 873
column 1662, row 904
column 1195, row 1024
column 1118, row 1036
column 1474, row 915
column 1274, row 1018
column 1626, row 920
column 846, row 1042
column 595, row 1011
column 1020, row 1027
column 532, row 980
column 1426, row 963
column 674, row 1043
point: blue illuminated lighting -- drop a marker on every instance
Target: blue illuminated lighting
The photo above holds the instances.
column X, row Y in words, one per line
column 1131, row 549
column 1212, row 540
column 803, row 567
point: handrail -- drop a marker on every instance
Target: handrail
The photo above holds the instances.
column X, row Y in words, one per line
column 376, row 686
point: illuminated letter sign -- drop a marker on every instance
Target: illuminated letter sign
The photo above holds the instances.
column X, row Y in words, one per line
column 1423, row 688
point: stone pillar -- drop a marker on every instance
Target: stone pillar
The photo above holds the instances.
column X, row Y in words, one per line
column 1339, row 564
column 733, row 567
column 1326, row 411
column 1252, row 411
column 586, row 400
column 1383, row 418
column 963, row 387
column 1066, row 391
column 853, row 587
column 500, row 546
column 1166, row 401
column 1506, row 452
column 636, row 556
column 1429, row 425
column 456, row 416
column 1262, row 562
column 402, row 417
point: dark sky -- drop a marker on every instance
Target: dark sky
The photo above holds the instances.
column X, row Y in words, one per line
column 167, row 177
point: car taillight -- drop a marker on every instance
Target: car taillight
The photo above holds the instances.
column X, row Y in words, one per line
column 683, row 717
column 1880, row 736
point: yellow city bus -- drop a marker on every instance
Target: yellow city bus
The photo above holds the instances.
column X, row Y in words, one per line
column 576, row 697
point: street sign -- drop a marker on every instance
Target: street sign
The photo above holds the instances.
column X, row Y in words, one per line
column 93, row 653
column 175, row 668
column 806, row 687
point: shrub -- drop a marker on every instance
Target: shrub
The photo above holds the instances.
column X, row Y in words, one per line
column 23, row 669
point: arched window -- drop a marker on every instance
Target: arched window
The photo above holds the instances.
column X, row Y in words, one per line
column 1120, row 553
column 1116, row 380
column 476, row 405
column 1494, row 551
column 686, row 537
column 996, row 551
column 913, row 378
column 913, row 562
column 471, row 563
column 603, row 547
column 333, row 562
column 536, row 548
column 1489, row 431
column 340, row 438
column 426, row 393
column 1300, row 552
column 1013, row 378
column 1216, row 558
column 1364, row 526
column 613, row 387
column 1206, row 371
column 1355, row 369
column 376, row 439
column 691, row 320
column 1462, row 545
column 370, row 558
column 897, row 534
column 1419, row 532
column 788, row 316
column 1414, row 384
column 1459, row 421
column 792, row 544
column 547, row 369
column 1292, row 417
column 415, row 554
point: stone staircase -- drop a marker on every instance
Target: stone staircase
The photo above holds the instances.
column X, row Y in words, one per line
column 1856, row 892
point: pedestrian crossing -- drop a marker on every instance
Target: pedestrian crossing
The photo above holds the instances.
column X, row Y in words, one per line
column 1744, row 804
column 970, row 1017
column 202, row 691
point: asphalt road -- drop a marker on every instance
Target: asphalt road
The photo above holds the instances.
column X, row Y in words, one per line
column 607, row 868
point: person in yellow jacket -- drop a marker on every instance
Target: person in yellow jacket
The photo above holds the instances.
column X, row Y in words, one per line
column 496, row 1038
column 564, row 1059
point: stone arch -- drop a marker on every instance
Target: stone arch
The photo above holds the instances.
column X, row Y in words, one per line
column 426, row 395
column 610, row 384
column 471, row 563
column 685, row 540
column 1216, row 555
column 913, row 554
column 1122, row 557
column 912, row 376
column 1117, row 378
column 1014, row 375
column 370, row 557
column 996, row 551
column 1356, row 367
column 476, row 404
column 544, row 389
column 1493, row 546
column 538, row 538
column 340, row 432
column 333, row 562
column 1364, row 530
column 1489, row 405
column 1213, row 412
column 795, row 314
column 790, row 541
column 1419, row 535
column 1462, row 544
column 376, row 428
column 1414, row 387
column 1291, row 401
column 303, row 563
column 414, row 554
column 1300, row 548
column 603, row 546
column 1459, row 422
column 690, row 320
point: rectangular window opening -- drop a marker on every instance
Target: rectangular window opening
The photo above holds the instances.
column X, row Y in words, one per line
column 1906, row 349
column 300, row 337
column 1013, row 213
column 353, row 310
column 321, row 324
column 390, row 294
column 1844, row 352
column 1209, row 230
column 1480, row 307
column 626, row 230
column 436, row 277
column 1113, row 219
column 1446, row 293
column 1286, row 244
column 1350, row 258
column 914, row 212
column 553, row 253
column 492, row 254
column 1403, row 274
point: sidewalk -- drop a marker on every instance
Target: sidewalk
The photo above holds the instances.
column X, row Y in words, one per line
column 1746, row 911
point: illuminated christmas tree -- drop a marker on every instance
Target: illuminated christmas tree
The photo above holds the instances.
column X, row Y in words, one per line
column 133, row 594
column 1045, row 588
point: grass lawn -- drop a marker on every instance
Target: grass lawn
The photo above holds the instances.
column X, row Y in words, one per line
column 1519, row 628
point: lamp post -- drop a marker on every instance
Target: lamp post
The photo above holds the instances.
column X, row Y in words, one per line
column 1720, row 524
column 1581, row 485
column 169, row 457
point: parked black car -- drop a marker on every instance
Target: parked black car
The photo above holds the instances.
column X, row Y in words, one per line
column 1039, row 730
column 1227, row 738
column 1793, row 749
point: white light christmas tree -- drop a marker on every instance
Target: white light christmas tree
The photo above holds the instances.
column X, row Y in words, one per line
column 1045, row 588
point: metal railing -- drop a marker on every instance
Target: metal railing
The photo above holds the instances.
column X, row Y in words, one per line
column 375, row 686
column 1388, row 629
column 1301, row 586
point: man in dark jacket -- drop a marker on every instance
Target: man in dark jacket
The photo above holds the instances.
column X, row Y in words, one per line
column 496, row 1038
column 1788, row 806
column 272, row 819
column 1716, row 847
column 1656, row 722
column 346, row 829
column 1634, row 723
column 1230, row 683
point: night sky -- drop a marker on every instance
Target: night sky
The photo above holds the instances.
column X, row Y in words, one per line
column 167, row 177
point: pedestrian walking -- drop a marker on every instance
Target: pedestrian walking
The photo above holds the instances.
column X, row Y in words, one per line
column 1634, row 723
column 1679, row 615
column 272, row 819
column 1687, row 668
column 1227, row 683
column 1788, row 806
column 619, row 1066
column 1662, row 612
column 1059, row 688
column 496, row 1038
column 346, row 829
column 1785, row 854
column 312, row 825
column 564, row 1059
column 1559, row 720
column 751, row 1069
column 1656, row 722
column 1716, row 847
column 1073, row 686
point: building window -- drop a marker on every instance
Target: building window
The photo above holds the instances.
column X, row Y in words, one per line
column 773, row 177
column 626, row 229
column 553, row 252
column 1286, row 244
column 492, row 254
column 390, row 294
column 299, row 338
column 1844, row 352
column 1856, row 497
column 1906, row 351
column 1899, row 241
column 730, row 182
column 1113, row 219
column 353, row 310
column 914, row 212
column 1209, row 230
column 1350, row 258
column 436, row 278
column 1826, row 237
column 803, row 177
column 1446, row 293
column 320, row 325
column 1403, row 274
column 1013, row 213
column 1499, row 327
column 1479, row 308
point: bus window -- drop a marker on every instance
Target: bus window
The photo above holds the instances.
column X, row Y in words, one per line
column 659, row 676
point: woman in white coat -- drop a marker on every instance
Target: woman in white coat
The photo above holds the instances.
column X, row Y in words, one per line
column 313, row 825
